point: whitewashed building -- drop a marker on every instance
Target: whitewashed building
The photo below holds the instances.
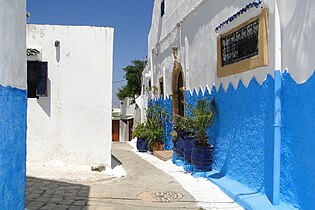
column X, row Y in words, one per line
column 69, row 94
column 13, row 104
column 123, row 119
column 256, row 59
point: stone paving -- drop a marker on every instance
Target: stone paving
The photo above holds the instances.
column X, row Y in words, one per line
column 49, row 194
column 144, row 188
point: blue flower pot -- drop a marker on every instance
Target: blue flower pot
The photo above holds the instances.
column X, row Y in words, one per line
column 188, row 148
column 179, row 146
column 142, row 145
column 202, row 157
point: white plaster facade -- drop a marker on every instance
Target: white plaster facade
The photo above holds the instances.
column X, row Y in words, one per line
column 73, row 124
column 127, row 118
column 190, row 26
column 12, row 44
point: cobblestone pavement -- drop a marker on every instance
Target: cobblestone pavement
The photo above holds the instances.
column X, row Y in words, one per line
column 49, row 194
column 144, row 188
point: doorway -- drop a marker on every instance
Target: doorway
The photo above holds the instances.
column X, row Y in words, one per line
column 180, row 101
column 178, row 89
column 115, row 130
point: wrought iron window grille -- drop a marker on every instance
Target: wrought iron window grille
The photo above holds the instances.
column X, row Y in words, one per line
column 241, row 44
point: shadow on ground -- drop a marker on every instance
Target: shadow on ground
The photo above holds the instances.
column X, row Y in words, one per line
column 115, row 162
column 50, row 194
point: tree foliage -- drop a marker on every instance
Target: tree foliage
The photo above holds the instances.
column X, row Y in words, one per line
column 133, row 74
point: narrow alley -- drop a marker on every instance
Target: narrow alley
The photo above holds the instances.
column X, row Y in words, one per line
column 144, row 187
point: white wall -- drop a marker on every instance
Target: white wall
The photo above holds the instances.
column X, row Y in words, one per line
column 126, row 107
column 298, row 30
column 123, row 130
column 72, row 124
column 127, row 111
column 191, row 27
column 12, row 44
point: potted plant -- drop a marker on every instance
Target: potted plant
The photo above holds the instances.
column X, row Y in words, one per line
column 182, row 128
column 141, row 134
column 203, row 116
column 154, row 128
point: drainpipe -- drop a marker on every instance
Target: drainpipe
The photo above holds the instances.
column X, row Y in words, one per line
column 277, row 108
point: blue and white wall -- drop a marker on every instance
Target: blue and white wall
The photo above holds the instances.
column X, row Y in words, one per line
column 13, row 103
column 243, row 133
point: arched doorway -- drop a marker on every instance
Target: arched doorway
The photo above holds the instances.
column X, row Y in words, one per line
column 178, row 89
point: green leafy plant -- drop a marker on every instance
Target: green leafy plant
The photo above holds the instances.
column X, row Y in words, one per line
column 152, row 129
column 155, row 120
column 154, row 124
column 203, row 116
column 139, row 131
column 181, row 123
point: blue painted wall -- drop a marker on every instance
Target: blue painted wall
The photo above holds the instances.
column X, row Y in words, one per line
column 298, row 142
column 243, row 136
column 243, row 133
column 13, row 108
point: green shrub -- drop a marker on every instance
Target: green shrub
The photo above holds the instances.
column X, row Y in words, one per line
column 203, row 116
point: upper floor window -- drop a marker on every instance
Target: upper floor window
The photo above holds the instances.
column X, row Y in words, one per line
column 244, row 47
column 161, row 81
column 162, row 8
column 37, row 75
column 241, row 44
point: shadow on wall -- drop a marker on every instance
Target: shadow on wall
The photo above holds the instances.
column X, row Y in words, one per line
column 45, row 102
column 297, row 40
column 57, row 52
column 43, row 193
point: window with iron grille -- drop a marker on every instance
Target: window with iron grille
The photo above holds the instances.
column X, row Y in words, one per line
column 244, row 47
column 241, row 44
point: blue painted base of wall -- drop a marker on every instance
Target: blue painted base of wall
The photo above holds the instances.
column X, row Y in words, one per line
column 177, row 160
column 13, row 108
column 188, row 168
column 248, row 198
column 242, row 134
column 298, row 142
column 243, row 138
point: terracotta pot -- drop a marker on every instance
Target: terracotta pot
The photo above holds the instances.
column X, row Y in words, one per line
column 157, row 146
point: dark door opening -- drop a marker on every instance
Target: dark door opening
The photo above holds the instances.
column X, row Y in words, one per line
column 180, row 104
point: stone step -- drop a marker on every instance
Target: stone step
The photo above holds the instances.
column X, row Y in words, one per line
column 163, row 155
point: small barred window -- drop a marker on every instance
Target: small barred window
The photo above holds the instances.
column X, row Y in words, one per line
column 241, row 44
column 243, row 48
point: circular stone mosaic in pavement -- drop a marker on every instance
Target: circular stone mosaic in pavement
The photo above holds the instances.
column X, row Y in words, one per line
column 160, row 196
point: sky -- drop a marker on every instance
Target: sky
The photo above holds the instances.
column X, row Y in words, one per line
column 131, row 20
